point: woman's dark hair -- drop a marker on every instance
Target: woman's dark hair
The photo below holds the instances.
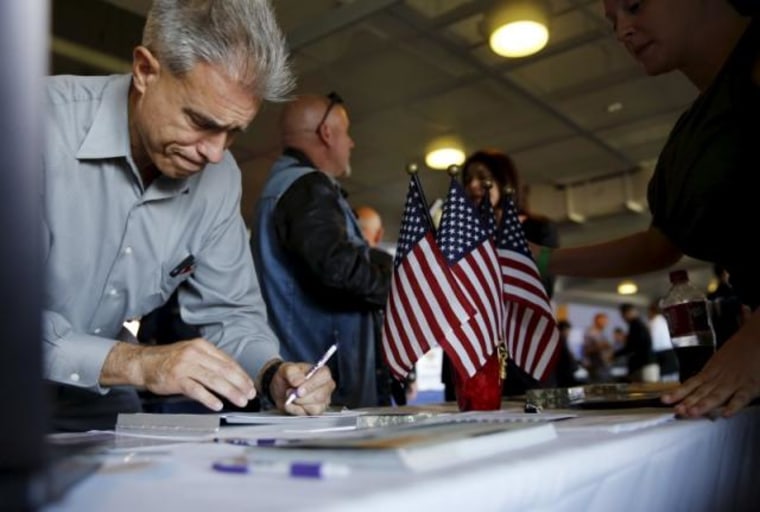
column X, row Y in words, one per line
column 502, row 169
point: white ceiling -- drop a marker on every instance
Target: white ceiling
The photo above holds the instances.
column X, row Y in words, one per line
column 411, row 70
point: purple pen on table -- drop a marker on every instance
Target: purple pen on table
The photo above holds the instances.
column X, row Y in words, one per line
column 319, row 364
column 297, row 469
column 243, row 441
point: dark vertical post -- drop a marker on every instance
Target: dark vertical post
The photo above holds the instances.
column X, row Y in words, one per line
column 24, row 57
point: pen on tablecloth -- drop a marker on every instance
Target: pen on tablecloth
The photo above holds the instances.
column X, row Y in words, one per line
column 243, row 441
column 319, row 364
column 302, row 469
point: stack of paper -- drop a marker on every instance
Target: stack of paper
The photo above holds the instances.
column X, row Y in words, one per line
column 418, row 446
column 327, row 419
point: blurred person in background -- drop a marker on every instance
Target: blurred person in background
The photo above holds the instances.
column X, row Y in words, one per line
column 661, row 345
column 642, row 365
column 567, row 365
column 597, row 351
column 727, row 310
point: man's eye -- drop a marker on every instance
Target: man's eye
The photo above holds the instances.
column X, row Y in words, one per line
column 202, row 124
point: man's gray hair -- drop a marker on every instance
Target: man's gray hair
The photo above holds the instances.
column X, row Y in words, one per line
column 242, row 36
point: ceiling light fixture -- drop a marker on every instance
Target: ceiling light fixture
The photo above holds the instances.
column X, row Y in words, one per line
column 444, row 152
column 517, row 28
column 627, row 287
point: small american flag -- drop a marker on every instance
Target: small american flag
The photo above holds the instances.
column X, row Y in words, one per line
column 465, row 242
column 531, row 330
column 487, row 215
column 426, row 306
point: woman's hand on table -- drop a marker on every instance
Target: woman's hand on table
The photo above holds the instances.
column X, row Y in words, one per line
column 729, row 381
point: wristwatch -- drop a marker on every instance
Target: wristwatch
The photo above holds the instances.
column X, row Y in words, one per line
column 266, row 382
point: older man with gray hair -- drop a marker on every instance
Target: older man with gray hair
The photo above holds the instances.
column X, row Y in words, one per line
column 130, row 217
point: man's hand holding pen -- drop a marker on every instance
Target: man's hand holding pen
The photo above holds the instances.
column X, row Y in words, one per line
column 313, row 393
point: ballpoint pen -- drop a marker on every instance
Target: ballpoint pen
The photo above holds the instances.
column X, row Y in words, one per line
column 242, row 441
column 297, row 469
column 319, row 364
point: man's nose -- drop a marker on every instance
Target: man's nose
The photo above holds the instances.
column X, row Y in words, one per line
column 212, row 147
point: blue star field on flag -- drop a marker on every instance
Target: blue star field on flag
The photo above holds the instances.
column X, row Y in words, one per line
column 460, row 230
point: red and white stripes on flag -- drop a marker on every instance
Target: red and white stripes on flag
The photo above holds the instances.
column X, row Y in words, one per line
column 426, row 306
column 466, row 244
column 531, row 333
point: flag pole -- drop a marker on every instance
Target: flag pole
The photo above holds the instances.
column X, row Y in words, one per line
column 412, row 169
column 453, row 170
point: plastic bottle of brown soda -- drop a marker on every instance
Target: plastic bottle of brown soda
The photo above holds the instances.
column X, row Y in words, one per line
column 687, row 312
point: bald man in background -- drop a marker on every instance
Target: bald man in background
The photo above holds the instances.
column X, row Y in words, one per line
column 321, row 281
column 371, row 225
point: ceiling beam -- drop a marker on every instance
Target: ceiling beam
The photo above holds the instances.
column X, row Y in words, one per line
column 334, row 21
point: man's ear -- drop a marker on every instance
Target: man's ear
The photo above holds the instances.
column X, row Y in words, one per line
column 325, row 134
column 145, row 68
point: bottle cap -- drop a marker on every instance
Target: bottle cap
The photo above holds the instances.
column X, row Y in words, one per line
column 679, row 276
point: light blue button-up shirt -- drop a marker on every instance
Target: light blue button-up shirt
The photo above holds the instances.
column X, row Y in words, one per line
column 111, row 245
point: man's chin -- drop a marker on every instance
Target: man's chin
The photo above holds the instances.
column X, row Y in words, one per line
column 185, row 168
column 175, row 172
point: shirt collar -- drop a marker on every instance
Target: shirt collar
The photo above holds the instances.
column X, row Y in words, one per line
column 302, row 159
column 299, row 155
column 108, row 137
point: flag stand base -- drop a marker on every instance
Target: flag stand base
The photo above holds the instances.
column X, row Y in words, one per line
column 482, row 391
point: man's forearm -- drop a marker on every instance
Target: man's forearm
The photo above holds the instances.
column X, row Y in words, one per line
column 122, row 366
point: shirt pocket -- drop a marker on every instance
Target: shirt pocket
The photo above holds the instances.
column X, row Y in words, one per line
column 174, row 273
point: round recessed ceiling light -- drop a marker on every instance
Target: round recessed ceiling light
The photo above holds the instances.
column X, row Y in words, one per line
column 519, row 39
column 627, row 287
column 442, row 158
column 517, row 28
column 444, row 152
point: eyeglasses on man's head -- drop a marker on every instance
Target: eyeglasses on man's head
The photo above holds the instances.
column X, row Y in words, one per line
column 335, row 99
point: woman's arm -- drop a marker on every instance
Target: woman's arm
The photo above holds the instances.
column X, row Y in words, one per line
column 641, row 252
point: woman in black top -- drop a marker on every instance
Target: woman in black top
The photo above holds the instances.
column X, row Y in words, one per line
column 704, row 192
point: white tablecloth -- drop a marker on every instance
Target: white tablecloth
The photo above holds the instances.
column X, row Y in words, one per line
column 694, row 465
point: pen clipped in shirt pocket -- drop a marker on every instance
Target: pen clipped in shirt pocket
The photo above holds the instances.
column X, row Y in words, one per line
column 175, row 274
